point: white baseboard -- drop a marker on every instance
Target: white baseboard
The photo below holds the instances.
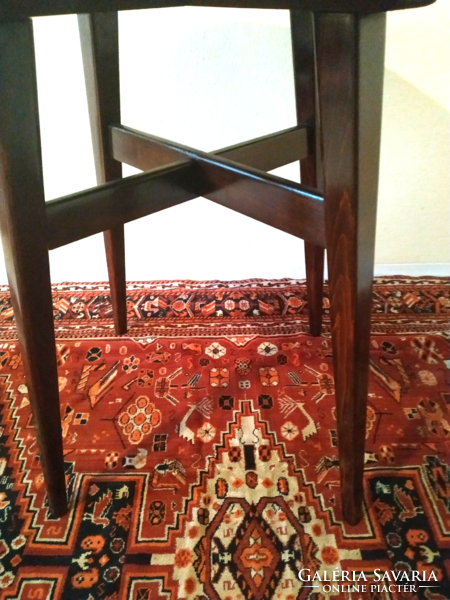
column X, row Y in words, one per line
column 409, row 269
column 414, row 269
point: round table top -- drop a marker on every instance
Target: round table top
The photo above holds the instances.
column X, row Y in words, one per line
column 19, row 9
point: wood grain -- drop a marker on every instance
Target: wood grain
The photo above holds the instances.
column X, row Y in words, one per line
column 350, row 58
column 285, row 205
column 19, row 9
column 80, row 215
column 23, row 230
column 99, row 36
column 264, row 153
column 304, row 62
column 270, row 151
column 349, row 43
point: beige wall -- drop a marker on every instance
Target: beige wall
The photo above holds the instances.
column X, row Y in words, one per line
column 214, row 77
column 414, row 209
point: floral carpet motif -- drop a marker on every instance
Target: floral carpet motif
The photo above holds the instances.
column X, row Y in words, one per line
column 201, row 449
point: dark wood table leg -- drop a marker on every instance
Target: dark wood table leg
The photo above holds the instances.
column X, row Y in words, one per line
column 99, row 35
column 314, row 259
column 350, row 62
column 303, row 55
column 24, row 238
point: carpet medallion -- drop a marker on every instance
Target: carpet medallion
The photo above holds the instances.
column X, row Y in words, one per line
column 201, row 448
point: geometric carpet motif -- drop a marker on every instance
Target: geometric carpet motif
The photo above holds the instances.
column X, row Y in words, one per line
column 253, row 307
column 201, row 449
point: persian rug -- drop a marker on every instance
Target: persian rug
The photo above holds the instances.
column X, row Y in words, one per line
column 201, row 449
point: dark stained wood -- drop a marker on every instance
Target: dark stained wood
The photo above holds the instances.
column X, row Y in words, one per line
column 264, row 153
column 350, row 55
column 19, row 9
column 22, row 219
column 114, row 241
column 350, row 6
column 285, row 205
column 80, row 215
column 99, row 36
column 271, row 151
column 289, row 206
column 304, row 61
column 314, row 260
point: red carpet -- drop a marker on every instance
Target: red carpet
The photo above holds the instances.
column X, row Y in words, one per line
column 201, row 453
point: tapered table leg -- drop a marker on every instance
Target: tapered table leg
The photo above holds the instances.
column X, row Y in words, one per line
column 24, row 238
column 99, row 37
column 350, row 61
column 303, row 55
column 314, row 259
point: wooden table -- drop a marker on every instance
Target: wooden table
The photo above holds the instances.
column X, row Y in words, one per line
column 338, row 50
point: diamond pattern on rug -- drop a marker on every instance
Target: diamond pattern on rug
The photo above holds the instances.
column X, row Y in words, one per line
column 206, row 466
